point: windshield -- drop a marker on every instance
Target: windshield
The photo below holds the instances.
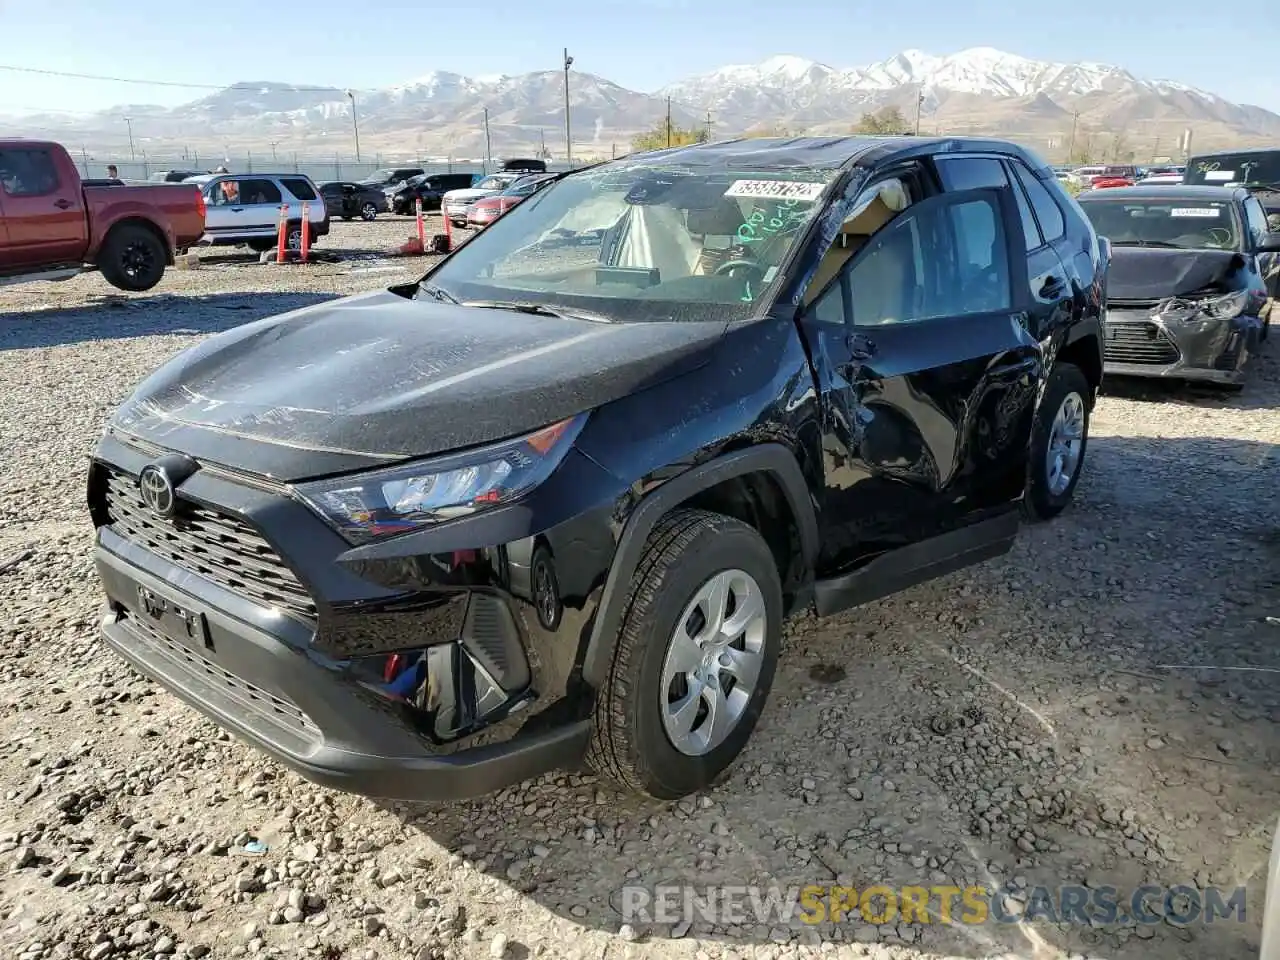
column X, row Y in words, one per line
column 1178, row 223
column 379, row 175
column 493, row 183
column 642, row 240
column 1246, row 169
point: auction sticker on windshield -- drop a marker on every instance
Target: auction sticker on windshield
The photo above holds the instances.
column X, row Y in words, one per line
column 776, row 189
column 1220, row 175
column 1210, row 212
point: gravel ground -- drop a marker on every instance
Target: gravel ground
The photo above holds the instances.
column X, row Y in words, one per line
column 1017, row 722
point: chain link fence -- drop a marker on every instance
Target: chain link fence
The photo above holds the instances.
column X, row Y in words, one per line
column 321, row 169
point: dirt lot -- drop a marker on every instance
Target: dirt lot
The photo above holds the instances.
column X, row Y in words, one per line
column 1050, row 718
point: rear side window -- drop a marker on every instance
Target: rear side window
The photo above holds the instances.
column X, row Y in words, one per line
column 1052, row 224
column 28, row 173
column 259, row 191
column 971, row 173
column 299, row 188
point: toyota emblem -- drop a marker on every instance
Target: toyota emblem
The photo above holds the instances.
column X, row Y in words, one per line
column 157, row 491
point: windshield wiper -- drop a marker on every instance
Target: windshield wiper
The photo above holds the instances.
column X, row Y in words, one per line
column 435, row 293
column 1262, row 185
column 1145, row 243
column 537, row 310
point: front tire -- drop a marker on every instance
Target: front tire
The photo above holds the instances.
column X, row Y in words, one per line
column 132, row 258
column 1059, row 439
column 368, row 212
column 694, row 660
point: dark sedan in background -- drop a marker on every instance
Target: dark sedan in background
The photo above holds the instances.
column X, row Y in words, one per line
column 350, row 200
column 1185, row 295
column 428, row 188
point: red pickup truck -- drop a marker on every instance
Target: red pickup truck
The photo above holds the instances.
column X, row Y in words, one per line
column 53, row 225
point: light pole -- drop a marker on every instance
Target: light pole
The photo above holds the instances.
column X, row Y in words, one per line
column 488, row 146
column 273, row 150
column 355, row 122
column 129, row 123
column 568, row 141
column 919, row 104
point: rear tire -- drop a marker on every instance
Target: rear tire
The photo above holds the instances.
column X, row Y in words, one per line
column 368, row 212
column 698, row 570
column 132, row 258
column 1059, row 440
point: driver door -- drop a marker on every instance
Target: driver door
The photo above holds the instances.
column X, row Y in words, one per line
column 930, row 378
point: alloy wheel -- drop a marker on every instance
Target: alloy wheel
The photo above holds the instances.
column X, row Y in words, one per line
column 713, row 661
column 1066, row 442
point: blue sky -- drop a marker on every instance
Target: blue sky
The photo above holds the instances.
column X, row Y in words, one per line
column 640, row 44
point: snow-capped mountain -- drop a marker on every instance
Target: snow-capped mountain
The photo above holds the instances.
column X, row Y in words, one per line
column 976, row 90
column 809, row 92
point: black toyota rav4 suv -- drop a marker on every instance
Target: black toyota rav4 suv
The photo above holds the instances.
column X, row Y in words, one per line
column 553, row 502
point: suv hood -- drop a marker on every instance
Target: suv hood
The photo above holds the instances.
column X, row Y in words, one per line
column 1151, row 273
column 377, row 378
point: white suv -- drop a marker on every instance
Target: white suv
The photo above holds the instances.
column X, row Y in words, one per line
column 245, row 208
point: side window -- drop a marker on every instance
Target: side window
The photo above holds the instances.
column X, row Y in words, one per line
column 970, row 173
column 27, row 173
column 945, row 259
column 828, row 309
column 299, row 188
column 1256, row 218
column 1030, row 229
column 259, row 191
column 1052, row 223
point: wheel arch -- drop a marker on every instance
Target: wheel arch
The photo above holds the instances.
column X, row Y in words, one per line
column 733, row 483
column 1083, row 348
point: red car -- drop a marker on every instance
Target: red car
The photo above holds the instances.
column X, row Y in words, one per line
column 483, row 212
column 1101, row 183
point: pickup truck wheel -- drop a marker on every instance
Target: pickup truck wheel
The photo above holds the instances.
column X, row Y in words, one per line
column 695, row 657
column 132, row 258
column 1058, row 442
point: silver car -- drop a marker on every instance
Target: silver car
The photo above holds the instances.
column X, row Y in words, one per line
column 455, row 202
column 245, row 208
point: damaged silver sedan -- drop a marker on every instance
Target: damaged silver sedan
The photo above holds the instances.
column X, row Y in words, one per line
column 1185, row 296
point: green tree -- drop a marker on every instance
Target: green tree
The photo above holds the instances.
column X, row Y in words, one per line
column 657, row 138
column 887, row 121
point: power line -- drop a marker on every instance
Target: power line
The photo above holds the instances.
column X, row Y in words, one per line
column 160, row 83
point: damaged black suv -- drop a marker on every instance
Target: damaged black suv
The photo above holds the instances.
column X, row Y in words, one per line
column 553, row 502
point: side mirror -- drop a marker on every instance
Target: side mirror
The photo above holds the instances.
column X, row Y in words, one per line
column 1270, row 243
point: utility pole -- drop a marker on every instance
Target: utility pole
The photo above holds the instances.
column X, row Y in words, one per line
column 668, row 122
column 488, row 150
column 129, row 123
column 568, row 138
column 919, row 104
column 1155, row 150
column 542, row 150
column 1071, row 144
column 355, row 123
column 274, row 143
column 708, row 126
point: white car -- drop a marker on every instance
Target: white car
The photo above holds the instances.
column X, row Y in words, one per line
column 455, row 202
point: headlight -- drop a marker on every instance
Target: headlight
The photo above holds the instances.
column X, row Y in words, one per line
column 1208, row 308
column 411, row 496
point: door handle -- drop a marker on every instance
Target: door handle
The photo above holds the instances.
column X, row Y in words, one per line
column 1052, row 286
column 861, row 347
column 62, row 204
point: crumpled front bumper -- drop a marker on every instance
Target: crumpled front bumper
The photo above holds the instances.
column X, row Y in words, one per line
column 1213, row 349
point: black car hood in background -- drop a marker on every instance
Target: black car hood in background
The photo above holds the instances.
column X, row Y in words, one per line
column 375, row 378
column 1152, row 273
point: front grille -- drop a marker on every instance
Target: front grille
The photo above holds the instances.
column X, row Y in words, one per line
column 275, row 718
column 1132, row 304
column 215, row 545
column 1139, row 343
